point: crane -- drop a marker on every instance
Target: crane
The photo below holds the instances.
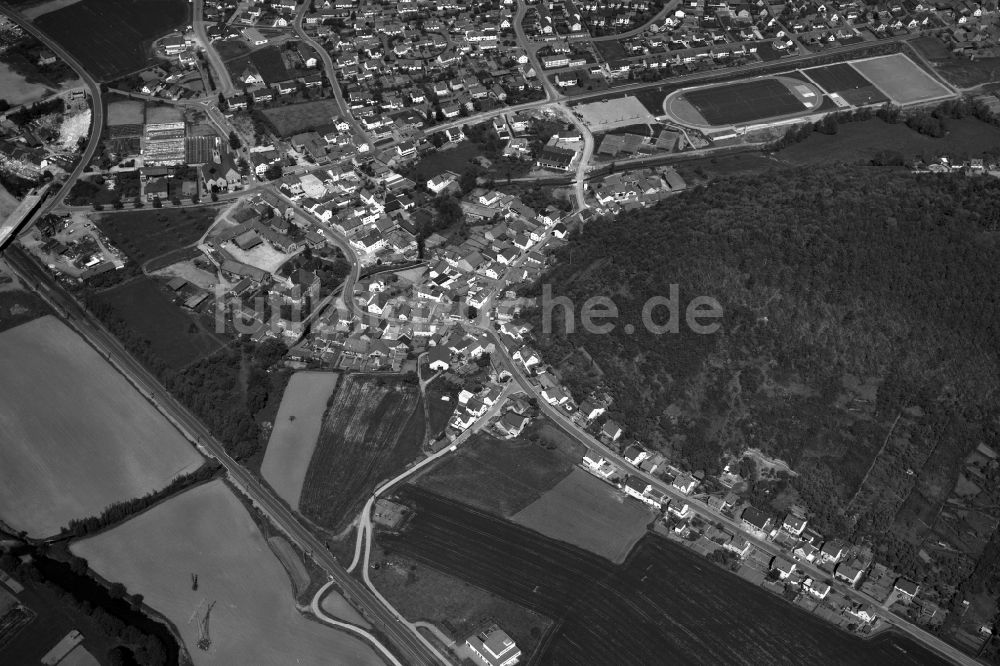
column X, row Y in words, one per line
column 204, row 640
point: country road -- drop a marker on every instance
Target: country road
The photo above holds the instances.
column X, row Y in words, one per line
column 223, row 82
column 415, row 649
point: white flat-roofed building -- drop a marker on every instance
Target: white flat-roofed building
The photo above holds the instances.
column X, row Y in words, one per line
column 494, row 647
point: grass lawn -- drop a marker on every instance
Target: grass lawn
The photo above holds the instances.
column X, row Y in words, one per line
column 505, row 476
column 457, row 608
column 372, row 429
column 150, row 233
column 76, row 435
column 440, row 410
column 958, row 70
column 453, row 159
column 586, row 512
column 176, row 337
column 296, row 118
column 859, row 142
column 206, row 530
column 231, row 48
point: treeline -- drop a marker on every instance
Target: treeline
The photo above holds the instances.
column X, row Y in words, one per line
column 37, row 110
column 134, row 644
column 119, row 511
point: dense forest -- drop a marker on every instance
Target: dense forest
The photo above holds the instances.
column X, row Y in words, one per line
column 858, row 342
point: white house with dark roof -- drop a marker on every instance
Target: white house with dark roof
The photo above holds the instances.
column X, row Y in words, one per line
column 794, row 525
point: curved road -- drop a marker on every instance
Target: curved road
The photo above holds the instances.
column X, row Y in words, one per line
column 223, row 82
column 331, row 73
column 413, row 647
column 97, row 106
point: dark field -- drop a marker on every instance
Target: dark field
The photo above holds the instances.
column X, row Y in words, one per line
column 439, row 411
column 958, row 70
column 848, row 83
column 268, row 62
column 111, row 38
column 231, row 48
column 18, row 307
column 295, row 118
column 664, row 605
column 504, row 476
column 744, row 102
column 150, row 233
column 176, row 337
column 373, row 428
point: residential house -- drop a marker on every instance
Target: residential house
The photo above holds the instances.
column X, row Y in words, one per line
column 611, row 430
column 794, row 525
column 756, row 520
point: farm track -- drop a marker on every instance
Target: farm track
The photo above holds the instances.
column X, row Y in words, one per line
column 663, row 600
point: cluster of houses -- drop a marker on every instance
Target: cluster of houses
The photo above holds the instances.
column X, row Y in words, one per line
column 635, row 189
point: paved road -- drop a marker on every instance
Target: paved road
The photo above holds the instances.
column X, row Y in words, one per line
column 660, row 15
column 97, row 107
column 223, row 82
column 532, row 50
column 331, row 74
column 414, row 648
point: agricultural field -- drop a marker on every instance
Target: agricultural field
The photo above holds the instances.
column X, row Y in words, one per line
column 372, row 430
column 19, row 307
column 847, row 82
column 143, row 308
column 503, row 476
column 296, row 431
column 206, row 531
column 112, row 38
column 422, row 593
column 147, row 234
column 665, row 600
column 77, row 435
column 584, row 511
column 901, row 79
column 296, row 118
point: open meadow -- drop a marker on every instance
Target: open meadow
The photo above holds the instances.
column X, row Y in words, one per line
column 75, row 436
column 503, row 476
column 143, row 308
column 111, row 38
column 294, row 118
column 150, row 233
column 206, row 531
column 296, row 431
column 372, row 430
column 584, row 511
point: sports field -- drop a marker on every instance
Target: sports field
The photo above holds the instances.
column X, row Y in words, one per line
column 847, row 82
column 901, row 79
column 612, row 113
column 75, row 436
column 584, row 511
column 206, row 531
column 743, row 102
column 296, row 431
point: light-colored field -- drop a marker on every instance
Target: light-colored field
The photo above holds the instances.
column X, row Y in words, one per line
column 16, row 90
column 75, row 436
column 337, row 606
column 263, row 256
column 586, row 512
column 208, row 532
column 617, row 112
column 41, row 8
column 296, row 431
column 901, row 79
column 79, row 656
column 126, row 112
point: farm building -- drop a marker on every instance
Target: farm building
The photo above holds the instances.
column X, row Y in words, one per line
column 494, row 647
